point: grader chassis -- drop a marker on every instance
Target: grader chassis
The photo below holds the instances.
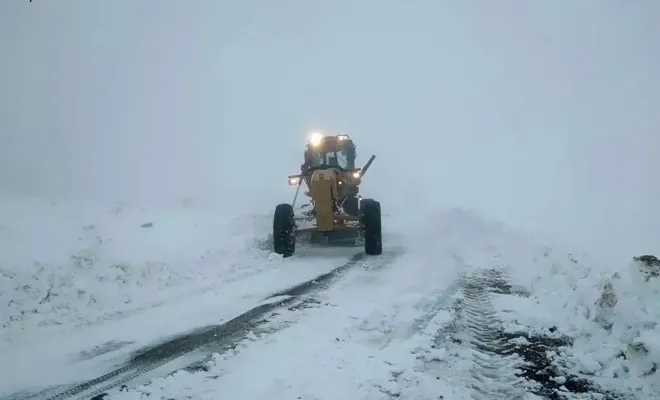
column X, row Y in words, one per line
column 339, row 216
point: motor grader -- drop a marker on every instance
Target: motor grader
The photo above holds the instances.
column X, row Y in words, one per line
column 336, row 214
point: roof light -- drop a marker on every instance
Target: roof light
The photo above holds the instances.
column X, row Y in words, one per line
column 315, row 138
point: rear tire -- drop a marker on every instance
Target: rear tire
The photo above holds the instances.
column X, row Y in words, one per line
column 371, row 221
column 284, row 240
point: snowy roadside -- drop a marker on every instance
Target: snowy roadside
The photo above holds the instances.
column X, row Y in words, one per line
column 404, row 327
column 126, row 285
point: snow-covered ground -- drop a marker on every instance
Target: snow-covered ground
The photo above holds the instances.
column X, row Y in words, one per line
column 76, row 276
column 67, row 265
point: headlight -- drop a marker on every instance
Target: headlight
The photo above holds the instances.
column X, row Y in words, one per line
column 315, row 138
column 294, row 181
column 342, row 137
column 356, row 175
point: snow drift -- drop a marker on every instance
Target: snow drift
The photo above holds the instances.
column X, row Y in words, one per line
column 74, row 264
column 622, row 343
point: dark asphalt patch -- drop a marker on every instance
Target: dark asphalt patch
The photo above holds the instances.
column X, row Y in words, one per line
column 37, row 394
column 547, row 379
column 320, row 281
column 153, row 357
column 101, row 349
column 228, row 332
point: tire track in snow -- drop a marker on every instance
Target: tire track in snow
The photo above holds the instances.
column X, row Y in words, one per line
column 471, row 334
column 157, row 356
column 324, row 281
column 513, row 365
column 430, row 311
column 216, row 338
column 502, row 365
column 493, row 367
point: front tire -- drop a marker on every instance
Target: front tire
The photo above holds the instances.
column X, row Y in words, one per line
column 371, row 221
column 284, row 240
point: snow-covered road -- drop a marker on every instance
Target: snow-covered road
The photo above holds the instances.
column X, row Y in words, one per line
column 458, row 309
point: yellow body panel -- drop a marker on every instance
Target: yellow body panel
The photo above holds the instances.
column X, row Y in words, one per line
column 324, row 192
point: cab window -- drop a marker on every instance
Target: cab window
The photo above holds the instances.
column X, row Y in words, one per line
column 330, row 159
column 342, row 159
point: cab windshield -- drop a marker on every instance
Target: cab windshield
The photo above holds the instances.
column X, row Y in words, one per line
column 330, row 159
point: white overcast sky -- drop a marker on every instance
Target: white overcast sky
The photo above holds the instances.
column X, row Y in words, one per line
column 542, row 114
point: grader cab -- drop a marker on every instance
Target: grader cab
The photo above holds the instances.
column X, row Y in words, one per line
column 336, row 214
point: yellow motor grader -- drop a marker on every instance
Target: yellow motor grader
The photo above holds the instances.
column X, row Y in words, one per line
column 336, row 214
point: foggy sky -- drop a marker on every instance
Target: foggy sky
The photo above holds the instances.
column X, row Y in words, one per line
column 539, row 114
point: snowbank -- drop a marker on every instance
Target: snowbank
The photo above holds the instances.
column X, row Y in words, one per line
column 611, row 312
column 72, row 264
column 622, row 344
column 611, row 315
